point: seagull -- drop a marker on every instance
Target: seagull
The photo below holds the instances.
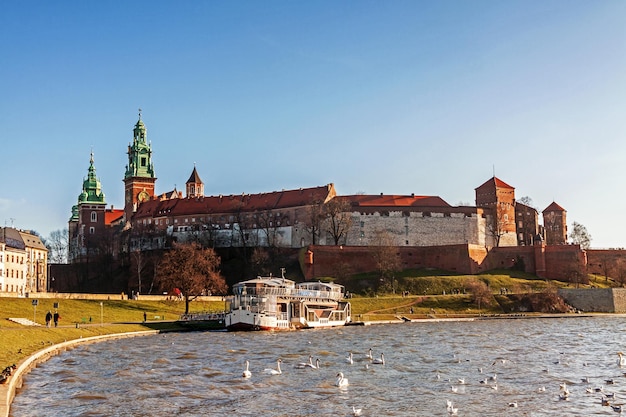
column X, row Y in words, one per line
column 246, row 373
column 356, row 411
column 271, row 371
column 513, row 404
column 454, row 389
column 461, row 381
column 341, row 381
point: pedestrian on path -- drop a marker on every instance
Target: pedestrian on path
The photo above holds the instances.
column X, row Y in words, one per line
column 56, row 318
column 48, row 318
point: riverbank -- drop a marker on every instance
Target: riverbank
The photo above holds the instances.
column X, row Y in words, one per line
column 9, row 389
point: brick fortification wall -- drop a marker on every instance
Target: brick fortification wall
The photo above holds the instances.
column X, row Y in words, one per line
column 324, row 261
column 601, row 300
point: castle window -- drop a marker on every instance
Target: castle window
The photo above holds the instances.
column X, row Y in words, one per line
column 143, row 161
column 92, row 230
column 94, row 217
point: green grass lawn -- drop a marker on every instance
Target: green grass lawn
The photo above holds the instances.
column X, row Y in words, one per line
column 113, row 316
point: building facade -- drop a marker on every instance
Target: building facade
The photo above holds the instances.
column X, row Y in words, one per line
column 294, row 218
column 23, row 262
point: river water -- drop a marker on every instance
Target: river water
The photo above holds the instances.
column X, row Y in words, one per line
column 426, row 364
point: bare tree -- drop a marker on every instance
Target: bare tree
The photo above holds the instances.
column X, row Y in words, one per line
column 499, row 226
column 261, row 260
column 527, row 201
column 620, row 272
column 192, row 270
column 313, row 222
column 338, row 219
column 58, row 245
column 480, row 293
column 386, row 256
column 580, row 236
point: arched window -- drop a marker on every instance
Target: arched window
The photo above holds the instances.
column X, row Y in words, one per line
column 94, row 217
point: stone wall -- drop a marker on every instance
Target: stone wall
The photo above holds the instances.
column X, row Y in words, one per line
column 600, row 300
column 464, row 259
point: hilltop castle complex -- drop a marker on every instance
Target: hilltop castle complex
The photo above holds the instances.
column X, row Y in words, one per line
column 301, row 218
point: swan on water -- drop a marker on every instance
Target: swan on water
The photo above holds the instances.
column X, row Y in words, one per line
column 453, row 411
column 308, row 364
column 369, row 354
column 349, row 358
column 356, row 411
column 380, row 361
column 621, row 361
column 277, row 371
column 246, row 373
column 341, row 380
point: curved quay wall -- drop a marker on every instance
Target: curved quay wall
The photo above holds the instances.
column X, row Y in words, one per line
column 7, row 390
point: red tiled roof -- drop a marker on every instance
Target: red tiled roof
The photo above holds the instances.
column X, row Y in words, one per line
column 233, row 203
column 111, row 216
column 553, row 207
column 382, row 200
column 496, row 182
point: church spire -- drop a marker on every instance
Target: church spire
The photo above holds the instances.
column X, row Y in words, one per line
column 139, row 177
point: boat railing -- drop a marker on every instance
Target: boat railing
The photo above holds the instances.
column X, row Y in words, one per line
column 291, row 292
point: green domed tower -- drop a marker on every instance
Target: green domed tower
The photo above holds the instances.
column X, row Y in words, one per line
column 88, row 215
column 139, row 178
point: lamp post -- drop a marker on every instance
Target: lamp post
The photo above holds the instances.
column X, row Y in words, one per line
column 101, row 314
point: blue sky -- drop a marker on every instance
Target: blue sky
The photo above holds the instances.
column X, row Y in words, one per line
column 398, row 97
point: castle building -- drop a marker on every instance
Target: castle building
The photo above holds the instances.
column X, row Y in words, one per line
column 555, row 224
column 295, row 218
column 23, row 262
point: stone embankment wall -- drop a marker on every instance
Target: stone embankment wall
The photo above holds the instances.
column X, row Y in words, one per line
column 598, row 300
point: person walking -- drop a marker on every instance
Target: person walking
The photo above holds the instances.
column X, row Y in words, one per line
column 48, row 318
column 56, row 318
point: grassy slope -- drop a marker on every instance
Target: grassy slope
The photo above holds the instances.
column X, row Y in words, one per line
column 17, row 341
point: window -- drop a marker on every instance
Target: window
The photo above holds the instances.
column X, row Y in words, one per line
column 143, row 161
column 94, row 217
column 92, row 230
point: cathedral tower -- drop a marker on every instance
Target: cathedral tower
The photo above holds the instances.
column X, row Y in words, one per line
column 195, row 186
column 139, row 178
column 88, row 216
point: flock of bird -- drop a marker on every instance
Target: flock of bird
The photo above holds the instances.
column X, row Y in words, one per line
column 608, row 398
column 340, row 382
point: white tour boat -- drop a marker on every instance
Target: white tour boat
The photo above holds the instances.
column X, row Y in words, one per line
column 271, row 303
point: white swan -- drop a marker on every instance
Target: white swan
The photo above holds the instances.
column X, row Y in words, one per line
column 380, row 361
column 356, row 411
column 277, row 371
column 317, row 364
column 369, row 354
column 308, row 364
column 246, row 373
column 341, row 381
column 621, row 361
column 349, row 358
column 451, row 409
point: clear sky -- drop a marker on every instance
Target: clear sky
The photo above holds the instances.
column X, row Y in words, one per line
column 398, row 97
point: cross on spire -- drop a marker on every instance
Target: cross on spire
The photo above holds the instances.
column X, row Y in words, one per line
column 140, row 113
